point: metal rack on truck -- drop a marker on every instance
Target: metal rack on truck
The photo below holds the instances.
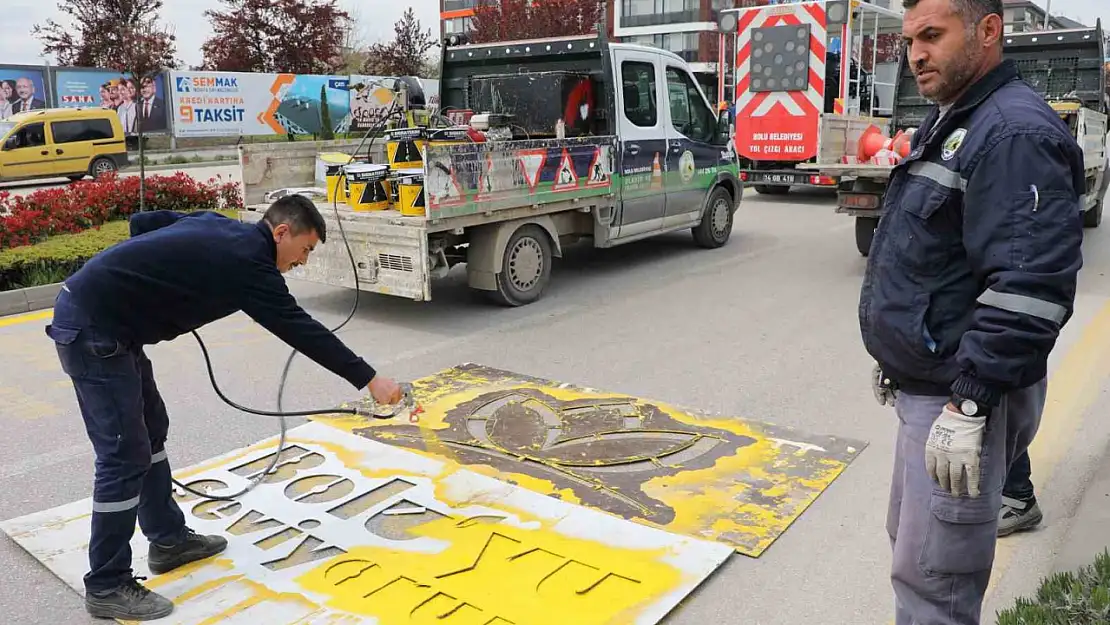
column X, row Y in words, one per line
column 550, row 141
column 809, row 81
column 1065, row 66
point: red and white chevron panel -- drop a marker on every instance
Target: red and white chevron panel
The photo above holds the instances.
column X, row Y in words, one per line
column 780, row 125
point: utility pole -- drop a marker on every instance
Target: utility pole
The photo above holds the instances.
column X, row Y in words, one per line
column 1047, row 7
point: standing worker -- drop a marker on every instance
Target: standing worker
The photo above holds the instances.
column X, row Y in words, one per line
column 177, row 273
column 971, row 276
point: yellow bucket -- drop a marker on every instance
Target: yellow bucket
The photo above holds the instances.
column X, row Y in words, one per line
column 366, row 187
column 410, row 192
column 404, row 147
column 329, row 169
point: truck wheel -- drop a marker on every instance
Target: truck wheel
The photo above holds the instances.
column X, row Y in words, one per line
column 525, row 267
column 102, row 166
column 1093, row 216
column 766, row 189
column 865, row 233
column 716, row 224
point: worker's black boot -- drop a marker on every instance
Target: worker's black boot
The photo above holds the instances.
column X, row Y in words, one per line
column 130, row 601
column 163, row 559
column 1018, row 515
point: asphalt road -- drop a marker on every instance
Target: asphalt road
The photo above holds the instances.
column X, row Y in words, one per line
column 764, row 328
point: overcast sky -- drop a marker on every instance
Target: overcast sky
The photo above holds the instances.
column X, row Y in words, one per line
column 376, row 18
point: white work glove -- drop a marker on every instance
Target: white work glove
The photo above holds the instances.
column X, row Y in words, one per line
column 885, row 396
column 953, row 450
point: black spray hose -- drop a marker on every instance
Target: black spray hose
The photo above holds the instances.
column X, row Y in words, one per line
column 364, row 407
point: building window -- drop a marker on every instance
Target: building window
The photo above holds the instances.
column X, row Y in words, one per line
column 458, row 5
column 659, row 12
column 685, row 45
column 457, row 25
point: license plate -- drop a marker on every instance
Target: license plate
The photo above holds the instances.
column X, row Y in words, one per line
column 778, row 178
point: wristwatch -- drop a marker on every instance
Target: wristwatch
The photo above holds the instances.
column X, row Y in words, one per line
column 969, row 407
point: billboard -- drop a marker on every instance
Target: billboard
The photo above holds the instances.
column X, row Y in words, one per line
column 74, row 88
column 371, row 103
column 207, row 104
column 22, row 88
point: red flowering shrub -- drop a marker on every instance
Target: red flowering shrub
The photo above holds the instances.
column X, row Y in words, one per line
column 88, row 203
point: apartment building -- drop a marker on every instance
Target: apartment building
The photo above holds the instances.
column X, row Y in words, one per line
column 1025, row 15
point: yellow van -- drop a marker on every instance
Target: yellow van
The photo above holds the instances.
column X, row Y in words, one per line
column 55, row 143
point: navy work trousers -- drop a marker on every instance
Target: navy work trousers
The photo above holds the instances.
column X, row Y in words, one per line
column 127, row 424
column 1019, row 481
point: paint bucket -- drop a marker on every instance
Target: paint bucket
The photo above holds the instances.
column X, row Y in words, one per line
column 449, row 136
column 329, row 170
column 404, row 147
column 410, row 192
column 366, row 185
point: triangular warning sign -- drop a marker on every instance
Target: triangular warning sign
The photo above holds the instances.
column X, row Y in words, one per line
column 485, row 179
column 531, row 164
column 656, row 173
column 600, row 173
column 566, row 179
column 442, row 186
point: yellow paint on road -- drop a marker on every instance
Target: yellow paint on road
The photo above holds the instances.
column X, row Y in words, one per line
column 26, row 318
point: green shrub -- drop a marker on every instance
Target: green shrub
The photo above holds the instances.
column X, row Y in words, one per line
column 1080, row 598
column 58, row 257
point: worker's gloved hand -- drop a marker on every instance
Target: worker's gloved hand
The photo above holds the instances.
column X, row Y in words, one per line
column 880, row 385
column 384, row 390
column 953, row 451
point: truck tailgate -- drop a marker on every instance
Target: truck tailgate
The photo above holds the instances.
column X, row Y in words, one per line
column 391, row 253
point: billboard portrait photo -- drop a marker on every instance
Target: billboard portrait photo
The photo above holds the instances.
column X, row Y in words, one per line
column 133, row 101
column 21, row 89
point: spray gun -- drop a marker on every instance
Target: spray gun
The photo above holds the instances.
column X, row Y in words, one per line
column 368, row 407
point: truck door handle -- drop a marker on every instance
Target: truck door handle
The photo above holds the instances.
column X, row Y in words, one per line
column 633, row 148
column 45, row 152
column 59, row 151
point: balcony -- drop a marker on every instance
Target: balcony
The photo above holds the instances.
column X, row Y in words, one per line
column 660, row 19
column 458, row 5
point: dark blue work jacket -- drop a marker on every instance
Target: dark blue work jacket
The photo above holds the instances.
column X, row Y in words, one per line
column 972, row 272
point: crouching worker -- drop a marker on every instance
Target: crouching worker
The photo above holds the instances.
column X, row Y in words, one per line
column 176, row 273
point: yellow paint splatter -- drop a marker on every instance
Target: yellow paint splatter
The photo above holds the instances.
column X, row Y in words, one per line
column 746, row 499
column 495, row 574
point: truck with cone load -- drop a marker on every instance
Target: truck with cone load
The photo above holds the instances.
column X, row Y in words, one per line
column 810, row 79
column 535, row 145
column 1065, row 66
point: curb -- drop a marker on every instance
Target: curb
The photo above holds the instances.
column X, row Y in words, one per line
column 28, row 300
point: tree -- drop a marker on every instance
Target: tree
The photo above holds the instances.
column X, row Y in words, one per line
column 406, row 54
column 326, row 132
column 509, row 20
column 142, row 58
column 98, row 34
column 275, row 36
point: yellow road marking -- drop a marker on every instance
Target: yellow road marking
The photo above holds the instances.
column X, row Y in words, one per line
column 1072, row 388
column 18, row 319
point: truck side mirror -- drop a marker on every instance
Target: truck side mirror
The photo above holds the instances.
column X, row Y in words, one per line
column 723, row 127
column 12, row 142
